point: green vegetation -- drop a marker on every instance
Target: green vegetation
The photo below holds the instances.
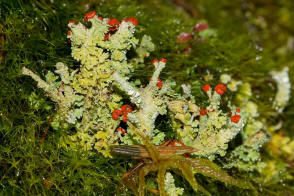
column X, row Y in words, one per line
column 247, row 40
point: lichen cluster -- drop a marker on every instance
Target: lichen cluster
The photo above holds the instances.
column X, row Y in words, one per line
column 213, row 129
column 97, row 98
column 170, row 187
column 84, row 96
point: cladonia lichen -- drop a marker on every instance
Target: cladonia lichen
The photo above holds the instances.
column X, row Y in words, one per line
column 170, row 186
column 98, row 97
column 84, row 96
column 87, row 97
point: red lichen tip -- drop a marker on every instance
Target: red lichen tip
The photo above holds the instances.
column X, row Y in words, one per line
column 68, row 33
column 107, row 35
column 163, row 60
column 123, row 131
column 175, row 142
column 238, row 110
column 125, row 118
column 220, row 89
column 201, row 27
column 89, row 15
column 203, row 112
column 118, row 111
column 134, row 21
column 115, row 116
column 100, row 18
column 71, row 22
column 113, row 22
column 206, row 87
column 126, row 108
column 159, row 83
column 154, row 61
column 236, row 118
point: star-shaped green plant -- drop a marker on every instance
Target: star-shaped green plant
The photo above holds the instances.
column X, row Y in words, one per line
column 160, row 159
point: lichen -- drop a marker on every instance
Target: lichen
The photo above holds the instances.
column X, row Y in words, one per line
column 246, row 157
column 85, row 97
column 93, row 100
column 88, row 100
column 213, row 128
column 170, row 186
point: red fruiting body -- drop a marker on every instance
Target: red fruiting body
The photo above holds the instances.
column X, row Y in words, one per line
column 123, row 131
column 238, row 110
column 203, row 112
column 177, row 142
column 187, row 155
column 115, row 116
column 68, row 33
column 154, row 61
column 163, row 60
column 71, row 22
column 201, row 27
column 107, row 35
column 125, row 118
column 89, row 15
column 220, row 89
column 159, row 83
column 132, row 20
column 184, row 37
column 206, row 87
column 235, row 118
column 126, row 108
column 118, row 111
column 100, row 18
column 113, row 22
